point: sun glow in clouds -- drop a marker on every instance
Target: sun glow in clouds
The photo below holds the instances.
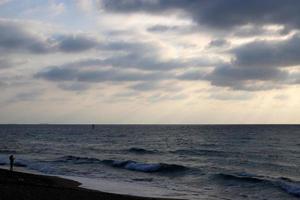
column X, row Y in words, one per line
column 154, row 61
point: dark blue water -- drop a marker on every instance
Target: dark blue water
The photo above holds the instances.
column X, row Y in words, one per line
column 189, row 161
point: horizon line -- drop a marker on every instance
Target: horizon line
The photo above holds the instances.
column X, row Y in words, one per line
column 191, row 124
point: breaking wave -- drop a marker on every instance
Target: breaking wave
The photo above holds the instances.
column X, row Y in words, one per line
column 286, row 184
column 146, row 167
column 127, row 164
column 79, row 160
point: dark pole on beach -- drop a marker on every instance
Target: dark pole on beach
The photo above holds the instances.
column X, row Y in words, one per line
column 11, row 161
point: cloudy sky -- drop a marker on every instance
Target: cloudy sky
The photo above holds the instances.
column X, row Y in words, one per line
column 149, row 61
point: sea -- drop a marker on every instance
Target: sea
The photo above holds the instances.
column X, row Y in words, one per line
column 175, row 161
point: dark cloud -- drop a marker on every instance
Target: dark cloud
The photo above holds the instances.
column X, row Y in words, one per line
column 16, row 37
column 163, row 28
column 142, row 6
column 112, row 75
column 131, row 46
column 136, row 55
column 57, row 74
column 228, row 14
column 135, row 61
column 230, row 76
column 246, row 78
column 218, row 13
column 155, row 85
column 26, row 96
column 256, row 66
column 145, row 86
column 231, row 73
column 192, row 76
column 77, row 43
column 175, row 29
column 139, row 56
column 9, row 63
column 153, row 62
column 240, row 78
column 218, row 43
column 269, row 53
column 130, row 61
column 74, row 86
column 117, row 76
column 141, row 61
column 156, row 64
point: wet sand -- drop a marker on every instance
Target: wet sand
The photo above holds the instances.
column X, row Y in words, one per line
column 25, row 186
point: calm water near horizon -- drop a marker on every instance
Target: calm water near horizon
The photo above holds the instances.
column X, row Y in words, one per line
column 188, row 161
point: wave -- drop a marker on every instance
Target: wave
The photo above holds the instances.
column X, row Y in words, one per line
column 291, row 188
column 146, row 167
column 143, row 179
column 20, row 164
column 141, row 150
column 200, row 152
column 242, row 177
column 6, row 151
column 79, row 160
column 127, row 164
column 286, row 184
column 17, row 163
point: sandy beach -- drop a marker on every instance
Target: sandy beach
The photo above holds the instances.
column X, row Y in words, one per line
column 25, row 186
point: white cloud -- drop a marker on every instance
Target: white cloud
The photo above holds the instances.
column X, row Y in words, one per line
column 57, row 8
column 2, row 2
column 85, row 5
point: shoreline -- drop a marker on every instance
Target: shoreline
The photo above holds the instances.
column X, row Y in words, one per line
column 106, row 185
column 27, row 186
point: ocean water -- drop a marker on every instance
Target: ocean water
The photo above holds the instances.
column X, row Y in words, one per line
column 182, row 161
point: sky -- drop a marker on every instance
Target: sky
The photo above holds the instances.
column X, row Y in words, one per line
column 150, row 61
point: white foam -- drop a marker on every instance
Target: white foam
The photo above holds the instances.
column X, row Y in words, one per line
column 142, row 167
column 293, row 189
column 3, row 160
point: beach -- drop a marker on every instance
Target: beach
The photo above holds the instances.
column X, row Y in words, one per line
column 26, row 186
